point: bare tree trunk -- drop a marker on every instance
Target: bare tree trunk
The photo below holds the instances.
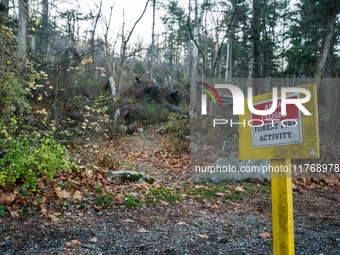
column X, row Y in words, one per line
column 121, row 66
column 193, row 72
column 220, row 65
column 92, row 37
column 327, row 40
column 153, row 40
column 330, row 72
column 44, row 32
column 22, row 36
column 257, row 47
column 188, row 59
column 227, row 63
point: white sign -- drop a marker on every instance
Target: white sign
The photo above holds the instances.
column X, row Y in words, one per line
column 276, row 129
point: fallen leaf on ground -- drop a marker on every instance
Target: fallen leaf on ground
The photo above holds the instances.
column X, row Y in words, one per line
column 128, row 220
column 93, row 240
column 14, row 214
column 61, row 193
column 73, row 242
column 43, row 210
column 239, row 188
column 77, row 195
column 118, row 200
column 203, row 236
column 260, row 209
column 142, row 230
column 264, row 235
column 53, row 218
column 220, row 194
column 97, row 207
column 164, row 203
column 7, row 198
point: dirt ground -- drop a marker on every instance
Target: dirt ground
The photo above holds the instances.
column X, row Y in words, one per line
column 203, row 221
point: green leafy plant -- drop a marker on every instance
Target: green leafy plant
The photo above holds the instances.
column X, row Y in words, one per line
column 97, row 189
column 62, row 185
column 2, row 211
column 29, row 153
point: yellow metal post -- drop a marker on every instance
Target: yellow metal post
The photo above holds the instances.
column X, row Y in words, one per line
column 282, row 208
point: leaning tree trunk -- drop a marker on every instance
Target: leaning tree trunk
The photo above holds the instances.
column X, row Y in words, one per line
column 327, row 40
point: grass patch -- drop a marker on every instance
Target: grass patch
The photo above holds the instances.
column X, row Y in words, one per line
column 207, row 193
column 105, row 201
column 235, row 195
column 132, row 201
column 163, row 194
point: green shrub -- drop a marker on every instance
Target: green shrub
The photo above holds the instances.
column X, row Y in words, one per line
column 29, row 153
column 178, row 126
column 156, row 113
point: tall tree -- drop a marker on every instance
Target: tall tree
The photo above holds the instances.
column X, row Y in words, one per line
column 44, row 30
column 125, row 41
column 193, row 72
column 152, row 39
column 22, row 35
column 258, row 88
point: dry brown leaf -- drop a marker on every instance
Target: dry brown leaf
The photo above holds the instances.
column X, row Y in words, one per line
column 7, row 198
column 61, row 193
column 264, row 235
column 260, row 209
column 77, row 195
column 53, row 218
column 97, row 207
column 220, row 194
column 164, row 203
column 14, row 214
column 142, row 230
column 203, row 236
column 43, row 200
column 40, row 185
column 93, row 240
column 239, row 188
column 73, row 242
column 30, row 211
column 43, row 210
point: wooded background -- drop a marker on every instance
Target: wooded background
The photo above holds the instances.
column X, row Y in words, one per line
column 210, row 41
